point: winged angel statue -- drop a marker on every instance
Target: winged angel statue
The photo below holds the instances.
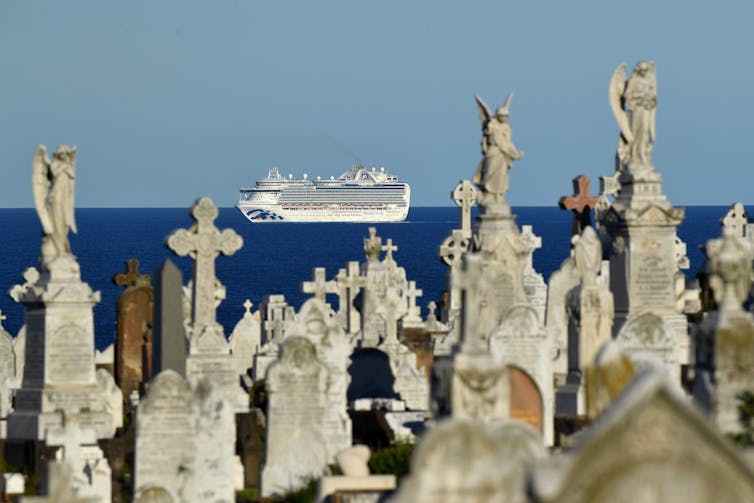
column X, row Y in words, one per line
column 634, row 102
column 53, row 183
column 499, row 152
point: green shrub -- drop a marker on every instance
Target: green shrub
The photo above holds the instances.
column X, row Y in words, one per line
column 392, row 460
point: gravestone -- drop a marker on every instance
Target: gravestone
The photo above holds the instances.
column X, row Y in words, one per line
column 534, row 284
column 471, row 461
column 60, row 487
column 650, row 445
column 7, row 376
column 520, row 343
column 245, row 340
column 479, row 387
column 59, row 369
column 581, row 204
column 185, row 440
column 133, row 340
column 91, row 472
column 296, row 444
column 464, row 195
column 413, row 318
column 411, row 383
column 209, row 353
column 277, row 316
column 350, row 280
column 355, row 484
column 648, row 339
column 610, row 373
column 169, row 344
column 737, row 220
column 333, row 350
column 725, row 339
column 590, row 312
column 319, row 287
column 561, row 283
column 640, row 232
column 373, row 290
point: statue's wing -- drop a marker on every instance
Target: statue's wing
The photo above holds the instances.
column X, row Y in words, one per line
column 71, row 216
column 484, row 111
column 617, row 85
column 652, row 75
column 40, row 184
column 507, row 104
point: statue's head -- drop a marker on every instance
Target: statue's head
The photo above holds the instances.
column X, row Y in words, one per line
column 65, row 153
column 502, row 113
column 643, row 67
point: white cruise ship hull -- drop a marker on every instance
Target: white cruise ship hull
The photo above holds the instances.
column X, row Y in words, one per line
column 357, row 195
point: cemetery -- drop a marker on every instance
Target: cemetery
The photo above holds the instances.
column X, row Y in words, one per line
column 618, row 378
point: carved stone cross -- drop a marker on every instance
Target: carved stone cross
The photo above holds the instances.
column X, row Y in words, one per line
column 736, row 219
column 581, row 203
column 412, row 293
column 132, row 276
column 352, row 281
column 204, row 242
column 70, row 436
column 389, row 248
column 275, row 328
column 531, row 243
column 454, row 248
column 464, row 196
column 392, row 308
column 469, row 279
column 319, row 287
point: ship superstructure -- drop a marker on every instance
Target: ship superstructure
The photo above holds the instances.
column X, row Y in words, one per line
column 358, row 195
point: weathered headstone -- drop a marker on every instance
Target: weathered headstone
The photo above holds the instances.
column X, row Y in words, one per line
column 610, row 373
column 520, row 343
column 296, row 444
column 133, row 340
column 209, row 353
column 333, row 350
column 472, row 461
column 725, row 339
column 413, row 318
column 351, row 281
column 169, row 341
column 464, row 195
column 534, row 283
column 319, row 287
column 245, row 340
column 185, row 440
column 561, row 283
column 650, row 445
column 277, row 316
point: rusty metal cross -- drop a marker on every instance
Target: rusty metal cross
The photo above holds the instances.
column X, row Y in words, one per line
column 581, row 204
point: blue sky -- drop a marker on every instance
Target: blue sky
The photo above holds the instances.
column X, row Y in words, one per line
column 171, row 100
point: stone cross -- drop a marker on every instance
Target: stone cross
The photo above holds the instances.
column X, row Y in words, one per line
column 31, row 276
column 319, row 287
column 464, row 196
column 247, row 305
column 454, row 248
column 411, row 295
column 581, row 203
column 353, row 282
column 531, row 243
column 736, row 219
column 373, row 245
column 132, row 276
column 392, row 308
column 70, row 436
column 275, row 326
column 204, row 242
column 469, row 279
column 389, row 248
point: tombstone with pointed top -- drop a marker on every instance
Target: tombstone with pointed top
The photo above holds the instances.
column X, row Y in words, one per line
column 169, row 341
column 245, row 340
column 133, row 340
column 209, row 352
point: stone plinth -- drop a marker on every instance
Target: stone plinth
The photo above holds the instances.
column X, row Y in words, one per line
column 59, row 369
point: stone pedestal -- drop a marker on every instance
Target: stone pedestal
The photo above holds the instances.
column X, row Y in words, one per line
column 59, row 370
column 641, row 226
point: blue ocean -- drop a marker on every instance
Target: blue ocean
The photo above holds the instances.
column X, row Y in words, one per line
column 276, row 257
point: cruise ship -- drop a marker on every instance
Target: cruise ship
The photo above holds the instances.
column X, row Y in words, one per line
column 358, row 195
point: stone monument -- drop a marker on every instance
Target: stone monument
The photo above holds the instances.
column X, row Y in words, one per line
column 59, row 371
column 209, row 352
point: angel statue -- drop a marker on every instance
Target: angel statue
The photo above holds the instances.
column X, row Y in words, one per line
column 52, row 182
column 633, row 102
column 499, row 153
